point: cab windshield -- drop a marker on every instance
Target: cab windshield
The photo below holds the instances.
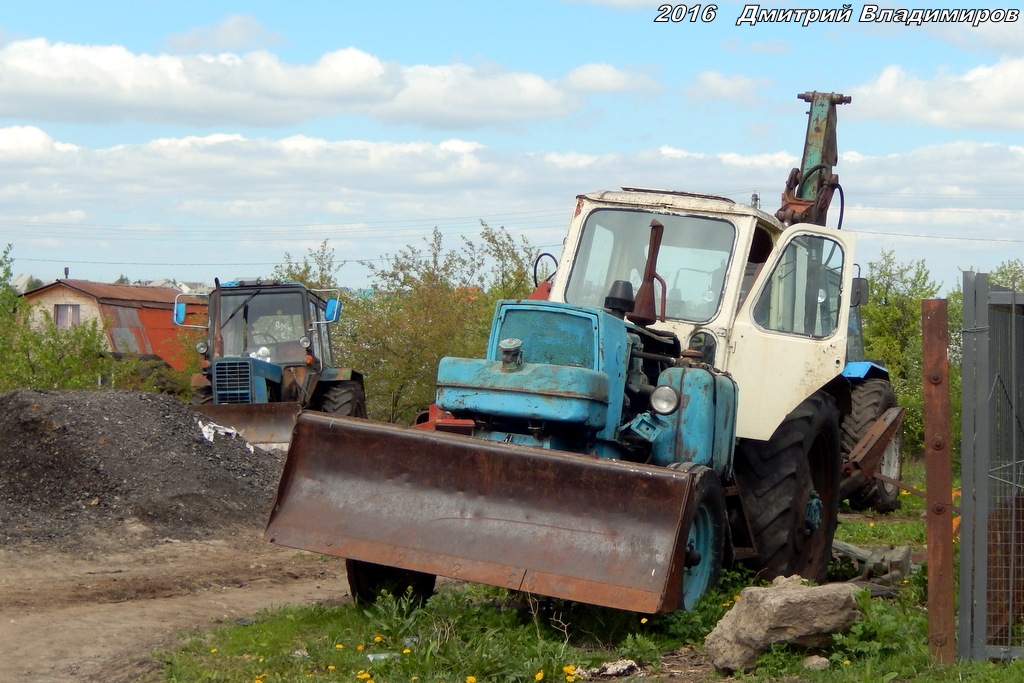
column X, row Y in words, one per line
column 261, row 323
column 693, row 260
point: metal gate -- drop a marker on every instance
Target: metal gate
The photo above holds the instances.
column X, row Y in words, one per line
column 991, row 600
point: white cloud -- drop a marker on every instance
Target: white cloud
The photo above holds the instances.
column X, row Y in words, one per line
column 713, row 85
column 103, row 84
column 605, row 78
column 998, row 37
column 237, row 32
column 986, row 96
column 375, row 197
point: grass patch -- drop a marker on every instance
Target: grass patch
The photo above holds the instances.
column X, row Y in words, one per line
column 472, row 633
column 477, row 633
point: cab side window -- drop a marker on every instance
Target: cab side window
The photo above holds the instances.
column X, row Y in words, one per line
column 802, row 296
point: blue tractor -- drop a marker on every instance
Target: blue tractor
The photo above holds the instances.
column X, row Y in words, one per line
column 673, row 400
column 266, row 356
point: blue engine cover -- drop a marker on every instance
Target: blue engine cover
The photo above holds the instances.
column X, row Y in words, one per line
column 534, row 392
column 704, row 427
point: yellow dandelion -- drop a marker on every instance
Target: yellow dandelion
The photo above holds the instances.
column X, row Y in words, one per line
column 406, row 651
column 569, row 669
column 330, row 667
column 470, row 679
column 726, row 604
column 846, row 661
column 213, row 650
column 570, row 678
column 871, row 524
column 377, row 639
column 539, row 676
column 258, row 680
column 643, row 620
column 735, row 598
column 359, row 646
column 339, row 646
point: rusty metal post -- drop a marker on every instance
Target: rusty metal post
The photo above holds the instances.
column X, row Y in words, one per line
column 939, row 480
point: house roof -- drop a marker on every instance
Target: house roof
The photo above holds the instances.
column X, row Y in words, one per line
column 119, row 295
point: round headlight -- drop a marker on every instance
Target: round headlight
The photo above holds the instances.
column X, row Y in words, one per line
column 202, row 347
column 664, row 400
column 305, row 342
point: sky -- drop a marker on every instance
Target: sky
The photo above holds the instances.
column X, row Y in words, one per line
column 193, row 140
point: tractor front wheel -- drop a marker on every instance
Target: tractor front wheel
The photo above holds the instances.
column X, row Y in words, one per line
column 707, row 537
column 201, row 396
column 367, row 581
column 790, row 489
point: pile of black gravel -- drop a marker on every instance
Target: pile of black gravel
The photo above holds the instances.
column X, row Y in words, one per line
column 91, row 468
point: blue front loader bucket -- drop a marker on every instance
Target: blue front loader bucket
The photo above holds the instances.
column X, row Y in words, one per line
column 552, row 523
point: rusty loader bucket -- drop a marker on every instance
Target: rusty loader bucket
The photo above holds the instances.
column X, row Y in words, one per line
column 268, row 425
column 552, row 523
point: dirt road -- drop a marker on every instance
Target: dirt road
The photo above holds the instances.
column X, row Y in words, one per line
column 123, row 526
column 67, row 617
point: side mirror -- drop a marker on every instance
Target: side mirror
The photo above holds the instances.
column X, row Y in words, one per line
column 333, row 310
column 859, row 295
column 179, row 312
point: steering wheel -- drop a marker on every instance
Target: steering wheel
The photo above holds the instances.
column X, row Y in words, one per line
column 257, row 336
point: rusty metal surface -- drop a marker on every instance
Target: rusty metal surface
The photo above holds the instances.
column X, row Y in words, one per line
column 557, row 524
column 860, row 467
column 939, row 481
column 262, row 424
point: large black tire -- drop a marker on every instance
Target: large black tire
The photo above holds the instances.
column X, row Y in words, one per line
column 870, row 400
column 201, row 396
column 367, row 580
column 778, row 478
column 344, row 398
column 707, row 537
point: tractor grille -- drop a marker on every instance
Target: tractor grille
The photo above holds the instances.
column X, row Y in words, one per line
column 552, row 336
column 232, row 382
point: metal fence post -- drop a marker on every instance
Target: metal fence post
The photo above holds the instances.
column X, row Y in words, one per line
column 939, row 479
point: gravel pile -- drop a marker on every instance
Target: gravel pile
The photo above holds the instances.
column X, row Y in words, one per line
column 83, row 468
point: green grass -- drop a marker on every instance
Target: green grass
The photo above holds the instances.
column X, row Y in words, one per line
column 461, row 634
column 476, row 633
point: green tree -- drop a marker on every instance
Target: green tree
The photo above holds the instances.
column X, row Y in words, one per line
column 427, row 303
column 317, row 270
column 892, row 333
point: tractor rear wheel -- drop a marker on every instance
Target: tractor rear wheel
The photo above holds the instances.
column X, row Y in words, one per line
column 367, row 580
column 707, row 537
column 344, row 398
column 790, row 488
column 870, row 400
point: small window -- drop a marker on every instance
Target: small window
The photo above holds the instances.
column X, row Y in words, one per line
column 66, row 315
column 802, row 296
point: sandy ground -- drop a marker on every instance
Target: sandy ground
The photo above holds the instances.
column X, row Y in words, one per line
column 101, row 617
column 108, row 616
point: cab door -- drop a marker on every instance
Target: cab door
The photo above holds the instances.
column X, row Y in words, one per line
column 789, row 337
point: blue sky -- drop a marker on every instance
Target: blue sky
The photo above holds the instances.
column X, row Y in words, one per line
column 197, row 140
